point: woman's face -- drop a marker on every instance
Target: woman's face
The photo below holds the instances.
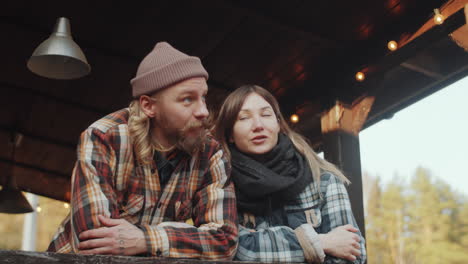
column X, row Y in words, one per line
column 256, row 128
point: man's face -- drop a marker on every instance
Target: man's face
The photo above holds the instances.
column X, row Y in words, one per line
column 181, row 114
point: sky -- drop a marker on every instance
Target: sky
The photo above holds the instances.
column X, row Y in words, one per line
column 432, row 133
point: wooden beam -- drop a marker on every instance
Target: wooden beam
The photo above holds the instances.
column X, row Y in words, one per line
column 25, row 257
column 347, row 118
column 40, row 181
column 44, row 139
column 342, row 149
column 340, row 128
column 423, row 70
column 460, row 36
column 422, row 42
column 53, row 99
column 447, row 10
column 400, row 101
column 278, row 24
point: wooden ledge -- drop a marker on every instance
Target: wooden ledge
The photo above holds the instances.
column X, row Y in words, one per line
column 31, row 257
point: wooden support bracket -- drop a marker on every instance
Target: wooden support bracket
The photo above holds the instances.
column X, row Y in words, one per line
column 347, row 118
column 460, row 36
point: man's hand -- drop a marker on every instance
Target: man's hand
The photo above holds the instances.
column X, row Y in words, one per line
column 341, row 242
column 116, row 237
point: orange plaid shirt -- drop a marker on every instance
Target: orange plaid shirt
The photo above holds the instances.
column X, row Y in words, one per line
column 194, row 216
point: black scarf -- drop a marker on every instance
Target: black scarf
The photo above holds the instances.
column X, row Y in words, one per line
column 269, row 180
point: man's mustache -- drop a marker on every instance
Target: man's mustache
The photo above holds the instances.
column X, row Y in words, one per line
column 205, row 123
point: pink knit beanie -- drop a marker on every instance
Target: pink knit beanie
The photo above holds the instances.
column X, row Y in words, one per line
column 165, row 66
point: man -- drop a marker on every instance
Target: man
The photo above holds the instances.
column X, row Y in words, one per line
column 148, row 180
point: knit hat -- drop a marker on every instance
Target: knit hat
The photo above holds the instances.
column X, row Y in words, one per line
column 165, row 66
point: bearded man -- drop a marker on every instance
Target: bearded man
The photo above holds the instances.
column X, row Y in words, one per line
column 149, row 179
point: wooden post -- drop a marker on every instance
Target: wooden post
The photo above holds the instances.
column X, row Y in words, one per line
column 340, row 129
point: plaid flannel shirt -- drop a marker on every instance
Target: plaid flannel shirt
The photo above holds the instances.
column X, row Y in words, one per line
column 274, row 239
column 194, row 216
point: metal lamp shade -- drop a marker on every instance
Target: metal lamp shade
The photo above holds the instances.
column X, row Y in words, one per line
column 59, row 57
column 12, row 201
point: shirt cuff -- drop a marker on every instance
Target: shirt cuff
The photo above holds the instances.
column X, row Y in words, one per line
column 310, row 243
column 157, row 241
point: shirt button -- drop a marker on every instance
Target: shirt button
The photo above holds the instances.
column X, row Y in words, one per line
column 158, row 253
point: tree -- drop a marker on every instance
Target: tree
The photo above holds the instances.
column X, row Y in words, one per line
column 374, row 232
column 431, row 207
column 385, row 222
column 425, row 222
column 462, row 228
column 393, row 212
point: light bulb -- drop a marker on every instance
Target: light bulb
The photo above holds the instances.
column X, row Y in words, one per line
column 294, row 118
column 360, row 76
column 39, row 209
column 392, row 45
column 438, row 17
column 66, row 205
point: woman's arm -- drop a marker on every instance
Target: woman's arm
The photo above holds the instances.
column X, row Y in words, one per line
column 336, row 212
column 279, row 244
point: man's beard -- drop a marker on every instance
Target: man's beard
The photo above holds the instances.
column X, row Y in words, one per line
column 190, row 138
column 194, row 142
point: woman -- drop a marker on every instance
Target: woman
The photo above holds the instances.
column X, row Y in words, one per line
column 293, row 206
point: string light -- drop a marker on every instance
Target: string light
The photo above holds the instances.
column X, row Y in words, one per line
column 294, row 118
column 66, row 205
column 392, row 45
column 360, row 76
column 38, row 209
column 438, row 17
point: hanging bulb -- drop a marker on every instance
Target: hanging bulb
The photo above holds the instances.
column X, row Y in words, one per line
column 392, row 45
column 38, row 209
column 438, row 17
column 294, row 118
column 360, row 76
column 66, row 205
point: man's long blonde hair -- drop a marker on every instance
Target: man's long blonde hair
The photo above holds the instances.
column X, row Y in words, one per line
column 228, row 116
column 139, row 127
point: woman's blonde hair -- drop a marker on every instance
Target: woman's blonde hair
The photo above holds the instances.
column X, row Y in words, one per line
column 228, row 115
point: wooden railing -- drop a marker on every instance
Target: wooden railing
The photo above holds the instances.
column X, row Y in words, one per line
column 30, row 257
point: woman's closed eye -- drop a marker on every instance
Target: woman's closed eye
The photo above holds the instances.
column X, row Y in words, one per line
column 267, row 113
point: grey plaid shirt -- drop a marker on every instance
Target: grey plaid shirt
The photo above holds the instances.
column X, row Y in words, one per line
column 274, row 239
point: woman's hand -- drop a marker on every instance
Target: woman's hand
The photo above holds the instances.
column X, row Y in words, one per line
column 248, row 229
column 341, row 242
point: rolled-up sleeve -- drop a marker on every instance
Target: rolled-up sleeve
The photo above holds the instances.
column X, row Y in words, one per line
column 93, row 193
column 336, row 211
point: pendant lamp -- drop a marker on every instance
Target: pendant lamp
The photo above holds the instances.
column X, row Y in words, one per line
column 12, row 200
column 59, row 57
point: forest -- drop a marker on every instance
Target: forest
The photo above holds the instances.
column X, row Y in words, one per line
column 417, row 221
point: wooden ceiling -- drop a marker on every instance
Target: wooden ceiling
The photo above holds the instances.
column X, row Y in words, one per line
column 305, row 52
